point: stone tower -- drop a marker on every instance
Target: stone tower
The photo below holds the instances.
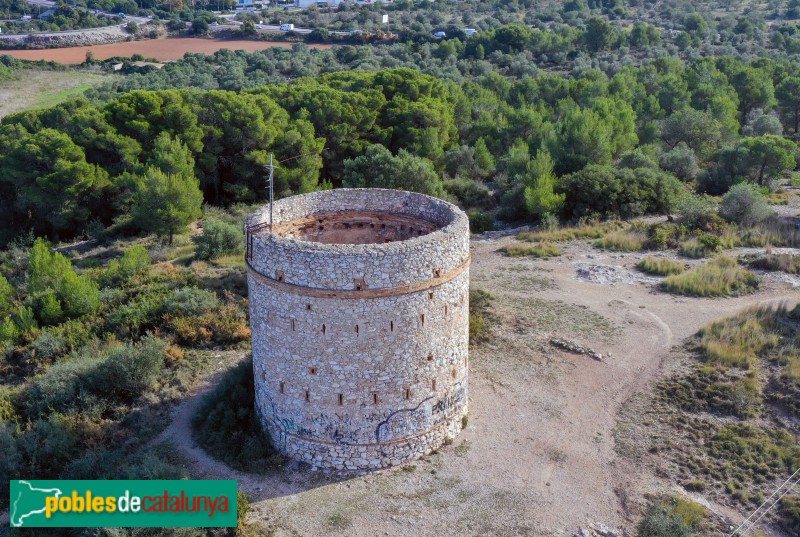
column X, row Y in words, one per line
column 360, row 319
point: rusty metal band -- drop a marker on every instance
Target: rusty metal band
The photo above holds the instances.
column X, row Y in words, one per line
column 365, row 293
column 444, row 423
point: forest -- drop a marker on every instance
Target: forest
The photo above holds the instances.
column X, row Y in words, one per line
column 585, row 146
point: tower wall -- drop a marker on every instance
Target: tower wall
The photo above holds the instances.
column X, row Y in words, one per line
column 360, row 351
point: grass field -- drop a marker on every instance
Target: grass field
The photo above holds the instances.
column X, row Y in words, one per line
column 41, row 88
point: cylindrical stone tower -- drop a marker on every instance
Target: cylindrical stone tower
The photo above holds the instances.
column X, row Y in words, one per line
column 360, row 319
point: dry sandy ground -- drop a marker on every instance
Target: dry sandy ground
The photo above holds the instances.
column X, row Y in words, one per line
column 538, row 455
column 168, row 49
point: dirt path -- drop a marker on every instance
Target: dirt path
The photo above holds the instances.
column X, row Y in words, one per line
column 538, row 455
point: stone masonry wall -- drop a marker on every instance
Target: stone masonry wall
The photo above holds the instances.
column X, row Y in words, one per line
column 359, row 376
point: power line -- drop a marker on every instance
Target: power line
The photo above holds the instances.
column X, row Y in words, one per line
column 750, row 522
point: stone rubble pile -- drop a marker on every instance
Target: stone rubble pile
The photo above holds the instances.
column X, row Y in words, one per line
column 577, row 348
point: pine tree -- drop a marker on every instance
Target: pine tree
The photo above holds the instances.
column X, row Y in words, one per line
column 540, row 197
column 483, row 158
column 166, row 203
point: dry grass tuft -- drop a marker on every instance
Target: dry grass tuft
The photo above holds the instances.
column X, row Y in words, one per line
column 719, row 277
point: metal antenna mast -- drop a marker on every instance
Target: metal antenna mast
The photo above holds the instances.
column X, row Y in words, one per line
column 271, row 172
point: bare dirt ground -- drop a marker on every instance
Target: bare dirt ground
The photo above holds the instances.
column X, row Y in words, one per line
column 538, row 456
column 168, row 49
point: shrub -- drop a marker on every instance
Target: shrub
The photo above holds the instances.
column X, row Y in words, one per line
column 480, row 221
column 224, row 325
column 700, row 246
column 218, row 239
column 695, row 485
column 660, row 266
column 777, row 262
column 719, row 277
column 62, row 388
column 790, row 509
column 542, row 250
column 134, row 261
column 745, row 205
column 681, row 162
column 622, row 241
column 226, row 424
column 469, row 193
column 51, row 270
column 695, row 211
column 626, row 193
column 131, row 368
column 191, row 301
column 660, row 520
column 480, row 301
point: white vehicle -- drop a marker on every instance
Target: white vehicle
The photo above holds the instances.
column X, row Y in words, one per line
column 286, row 27
column 259, row 27
column 470, row 31
column 439, row 34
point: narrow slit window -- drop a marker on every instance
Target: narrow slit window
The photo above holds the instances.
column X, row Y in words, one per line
column 391, row 326
column 308, row 396
column 430, row 295
column 374, row 398
column 292, row 325
column 308, row 307
column 407, row 394
column 356, row 329
column 422, row 319
column 454, row 373
column 430, row 356
column 282, row 387
column 323, row 329
column 445, row 311
column 433, row 385
column 340, row 398
column 313, row 370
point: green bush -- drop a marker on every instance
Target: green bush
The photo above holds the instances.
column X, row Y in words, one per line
column 661, row 520
column 697, row 248
column 218, row 239
column 226, row 424
column 191, row 301
column 51, row 270
column 745, row 205
column 660, row 266
column 64, row 387
column 134, row 261
column 790, row 510
column 624, row 193
column 131, row 368
column 480, row 221
column 719, row 277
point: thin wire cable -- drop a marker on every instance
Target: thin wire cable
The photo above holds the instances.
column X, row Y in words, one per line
column 748, row 524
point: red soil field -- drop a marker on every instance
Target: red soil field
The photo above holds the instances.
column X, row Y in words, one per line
column 160, row 49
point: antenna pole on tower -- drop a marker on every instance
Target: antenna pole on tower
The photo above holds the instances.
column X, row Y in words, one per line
column 271, row 170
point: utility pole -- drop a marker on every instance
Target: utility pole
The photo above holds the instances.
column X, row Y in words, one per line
column 271, row 172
